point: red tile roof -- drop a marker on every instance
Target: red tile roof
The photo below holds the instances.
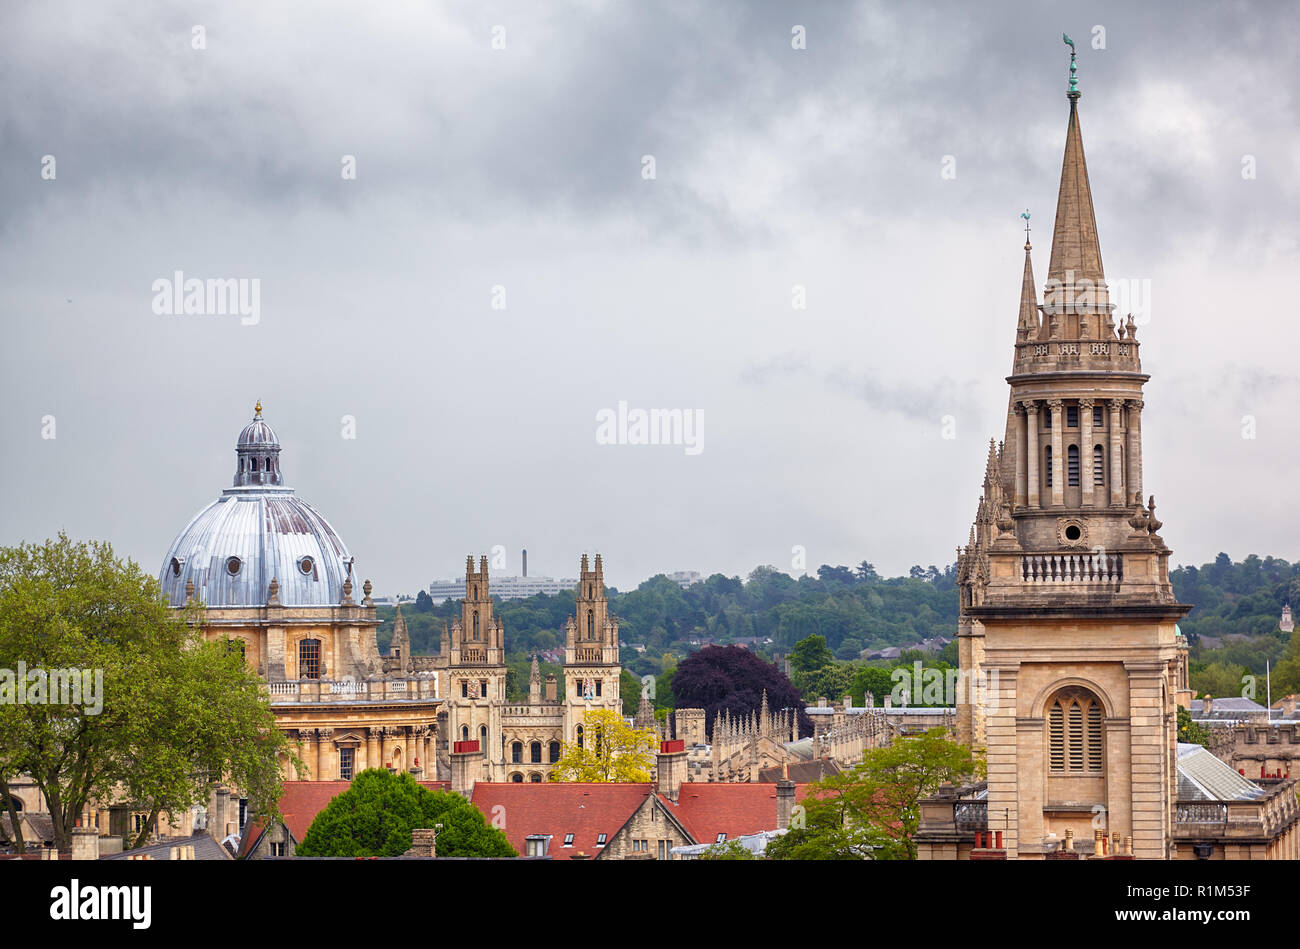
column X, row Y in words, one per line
column 303, row 800
column 558, row 808
column 706, row 810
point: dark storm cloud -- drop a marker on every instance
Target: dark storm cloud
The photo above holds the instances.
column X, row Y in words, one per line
column 522, row 167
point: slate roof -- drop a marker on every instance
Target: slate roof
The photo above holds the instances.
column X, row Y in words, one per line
column 205, row 848
column 1203, row 777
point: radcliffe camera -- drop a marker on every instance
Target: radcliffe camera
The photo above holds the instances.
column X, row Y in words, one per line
column 365, row 548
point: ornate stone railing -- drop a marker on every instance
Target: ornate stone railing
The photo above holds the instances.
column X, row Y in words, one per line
column 970, row 815
column 1072, row 568
column 585, row 654
column 283, row 688
column 473, row 654
column 1200, row 812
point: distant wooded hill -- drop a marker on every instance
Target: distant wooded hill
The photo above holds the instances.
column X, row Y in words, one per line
column 855, row 609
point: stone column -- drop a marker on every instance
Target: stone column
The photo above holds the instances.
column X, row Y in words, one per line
column 1117, row 493
column 1033, row 479
column 1058, row 462
column 1134, row 473
column 1085, row 451
column 307, row 752
column 1021, row 460
column 374, row 748
column 295, row 745
column 326, row 756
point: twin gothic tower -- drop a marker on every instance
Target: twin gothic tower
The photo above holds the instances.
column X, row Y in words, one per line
column 1067, row 623
column 520, row 742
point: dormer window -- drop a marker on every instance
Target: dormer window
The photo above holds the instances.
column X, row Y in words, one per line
column 176, row 566
column 233, row 565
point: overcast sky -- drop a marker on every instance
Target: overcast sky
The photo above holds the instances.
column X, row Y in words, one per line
column 523, row 168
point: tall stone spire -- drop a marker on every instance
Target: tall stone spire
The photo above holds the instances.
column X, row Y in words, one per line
column 1076, row 251
column 1027, row 326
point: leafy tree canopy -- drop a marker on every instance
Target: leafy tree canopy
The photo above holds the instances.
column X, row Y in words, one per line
column 732, row 677
column 376, row 815
column 873, row 809
column 162, row 714
column 611, row 751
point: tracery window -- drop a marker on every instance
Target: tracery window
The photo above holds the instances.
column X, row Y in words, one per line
column 1074, row 733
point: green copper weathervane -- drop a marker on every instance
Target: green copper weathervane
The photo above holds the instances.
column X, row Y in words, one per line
column 1073, row 91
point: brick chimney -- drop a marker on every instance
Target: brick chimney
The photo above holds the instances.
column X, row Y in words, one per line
column 466, row 759
column 217, row 806
column 85, row 843
column 671, row 767
column 784, row 798
column 424, row 843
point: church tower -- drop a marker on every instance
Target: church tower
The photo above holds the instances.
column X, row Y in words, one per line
column 476, row 673
column 1067, row 634
column 591, row 665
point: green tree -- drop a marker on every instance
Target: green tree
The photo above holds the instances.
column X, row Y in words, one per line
column 611, row 750
column 1190, row 731
column 727, row 850
column 873, row 809
column 809, row 654
column 163, row 714
column 376, row 815
column 1219, row 680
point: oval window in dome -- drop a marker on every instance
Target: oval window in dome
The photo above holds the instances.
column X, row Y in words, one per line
column 232, row 565
column 176, row 566
column 306, row 565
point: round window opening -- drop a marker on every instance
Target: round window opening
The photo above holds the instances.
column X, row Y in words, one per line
column 176, row 567
column 306, row 566
column 1072, row 532
column 232, row 565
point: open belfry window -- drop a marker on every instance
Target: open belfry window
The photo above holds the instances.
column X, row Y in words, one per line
column 1074, row 734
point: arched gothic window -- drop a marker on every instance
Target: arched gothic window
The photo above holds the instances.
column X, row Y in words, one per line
column 535, row 752
column 1074, row 733
column 517, row 752
column 591, row 625
column 555, row 751
column 476, row 625
column 579, row 736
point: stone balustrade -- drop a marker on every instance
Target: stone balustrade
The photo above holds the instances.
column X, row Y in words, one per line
column 1072, row 568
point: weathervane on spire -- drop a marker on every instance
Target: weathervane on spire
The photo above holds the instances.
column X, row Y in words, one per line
column 1025, row 215
column 1073, row 91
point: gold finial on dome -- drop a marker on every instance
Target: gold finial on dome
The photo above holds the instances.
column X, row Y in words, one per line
column 257, row 409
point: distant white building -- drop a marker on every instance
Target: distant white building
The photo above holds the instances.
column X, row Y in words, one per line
column 508, row 588
column 684, row 578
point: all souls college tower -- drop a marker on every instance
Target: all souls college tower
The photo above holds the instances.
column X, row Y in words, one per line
column 1066, row 604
